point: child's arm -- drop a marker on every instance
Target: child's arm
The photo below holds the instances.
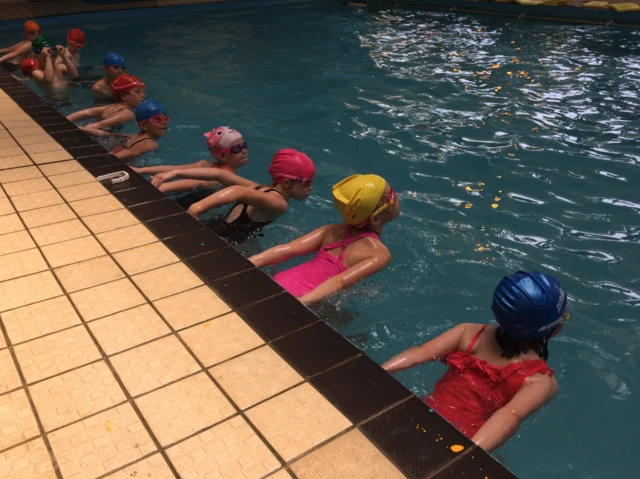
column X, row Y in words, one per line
column 120, row 118
column 136, row 150
column 46, row 75
column 9, row 49
column 95, row 112
column 342, row 281
column 430, row 351
column 14, row 51
column 267, row 202
column 300, row 246
column 208, row 174
column 537, row 391
column 154, row 170
column 68, row 68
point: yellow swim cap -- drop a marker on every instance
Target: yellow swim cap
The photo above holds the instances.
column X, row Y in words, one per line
column 357, row 197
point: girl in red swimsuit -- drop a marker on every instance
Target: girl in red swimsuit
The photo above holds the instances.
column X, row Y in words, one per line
column 228, row 149
column 153, row 121
column 497, row 375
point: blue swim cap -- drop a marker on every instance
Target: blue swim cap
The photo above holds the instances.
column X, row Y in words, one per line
column 113, row 60
column 528, row 305
column 148, row 109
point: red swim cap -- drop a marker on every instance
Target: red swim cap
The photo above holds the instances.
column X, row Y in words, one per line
column 76, row 35
column 290, row 164
column 124, row 83
column 29, row 65
column 31, row 26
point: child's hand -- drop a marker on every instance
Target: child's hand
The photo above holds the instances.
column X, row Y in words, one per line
column 47, row 51
column 60, row 49
column 157, row 180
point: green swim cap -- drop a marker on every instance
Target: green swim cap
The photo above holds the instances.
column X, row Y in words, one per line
column 39, row 43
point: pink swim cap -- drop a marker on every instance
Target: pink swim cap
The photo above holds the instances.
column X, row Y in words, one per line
column 220, row 138
column 291, row 164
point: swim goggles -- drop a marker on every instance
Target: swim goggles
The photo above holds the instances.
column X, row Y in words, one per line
column 306, row 182
column 159, row 119
column 34, row 32
column 564, row 317
column 235, row 149
column 391, row 200
column 76, row 45
column 51, row 49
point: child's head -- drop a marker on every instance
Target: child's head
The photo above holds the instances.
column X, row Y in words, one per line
column 128, row 90
column 113, row 65
column 38, row 45
column 530, row 308
column 152, row 118
column 366, row 200
column 28, row 66
column 227, row 147
column 75, row 40
column 294, row 171
column 32, row 30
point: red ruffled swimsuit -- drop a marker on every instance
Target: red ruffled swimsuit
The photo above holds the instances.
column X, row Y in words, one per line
column 472, row 389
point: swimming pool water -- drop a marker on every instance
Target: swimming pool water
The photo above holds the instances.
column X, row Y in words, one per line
column 514, row 145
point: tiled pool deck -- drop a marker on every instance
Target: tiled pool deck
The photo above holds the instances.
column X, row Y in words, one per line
column 136, row 343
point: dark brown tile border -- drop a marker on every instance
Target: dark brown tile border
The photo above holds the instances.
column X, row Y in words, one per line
column 405, row 430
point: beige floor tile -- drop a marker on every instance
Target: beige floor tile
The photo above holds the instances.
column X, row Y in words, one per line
column 101, row 443
column 19, row 174
column 19, row 121
column 23, row 263
column 106, row 299
column 30, row 322
column 87, row 274
column 183, row 408
column 126, row 238
column 5, row 206
column 153, row 467
column 281, row 474
column 191, row 307
column 10, row 223
column 3, row 343
column 8, row 142
column 50, row 156
column 128, row 328
column 255, row 376
column 14, row 242
column 72, row 179
column 9, row 378
column 17, row 422
column 110, row 221
column 9, row 152
column 22, row 133
column 83, row 191
column 54, row 354
column 298, row 420
column 47, row 216
column 42, row 147
column 153, row 365
column 228, row 450
column 32, row 201
column 61, row 167
column 220, row 339
column 27, row 290
column 166, row 281
column 72, row 251
column 59, row 232
column 144, row 258
column 76, row 395
column 2, row 193
column 94, row 206
column 351, row 455
column 15, row 161
column 24, row 187
column 29, row 460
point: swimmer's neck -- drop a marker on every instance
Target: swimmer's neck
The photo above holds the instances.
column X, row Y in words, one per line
column 377, row 229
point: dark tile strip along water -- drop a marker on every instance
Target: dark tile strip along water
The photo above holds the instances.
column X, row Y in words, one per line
column 403, row 428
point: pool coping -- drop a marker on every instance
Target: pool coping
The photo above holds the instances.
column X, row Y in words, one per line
column 389, row 415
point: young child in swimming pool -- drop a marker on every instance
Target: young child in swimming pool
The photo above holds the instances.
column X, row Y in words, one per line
column 128, row 92
column 11, row 57
column 347, row 252
column 113, row 66
column 153, row 121
column 498, row 376
column 254, row 205
column 71, row 54
column 41, row 68
column 228, row 149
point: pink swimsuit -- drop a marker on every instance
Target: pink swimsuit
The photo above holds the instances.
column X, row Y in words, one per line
column 307, row 276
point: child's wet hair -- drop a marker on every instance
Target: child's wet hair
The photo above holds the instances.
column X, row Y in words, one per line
column 512, row 348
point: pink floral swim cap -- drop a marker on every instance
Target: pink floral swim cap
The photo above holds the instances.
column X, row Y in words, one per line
column 220, row 138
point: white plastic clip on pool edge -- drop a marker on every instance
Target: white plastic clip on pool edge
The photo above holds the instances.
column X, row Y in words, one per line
column 115, row 177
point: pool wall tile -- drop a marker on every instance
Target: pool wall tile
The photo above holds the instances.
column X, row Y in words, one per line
column 124, row 322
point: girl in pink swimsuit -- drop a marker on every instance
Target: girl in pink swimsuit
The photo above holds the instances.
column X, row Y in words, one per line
column 498, row 375
column 346, row 253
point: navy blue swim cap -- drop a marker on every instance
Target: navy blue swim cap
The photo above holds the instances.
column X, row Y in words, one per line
column 113, row 60
column 528, row 305
column 148, row 109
